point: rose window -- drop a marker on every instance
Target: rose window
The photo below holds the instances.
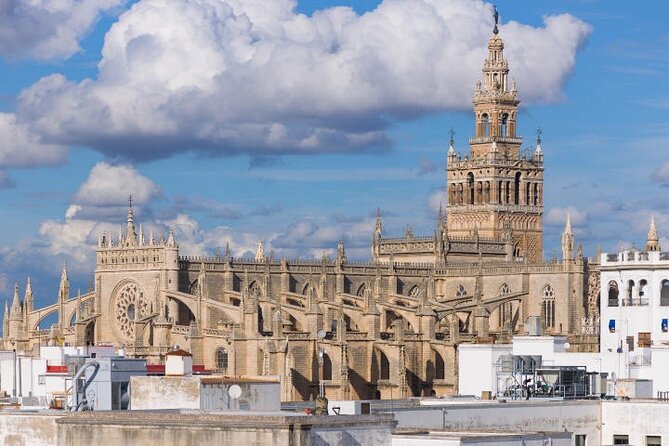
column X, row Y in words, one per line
column 130, row 306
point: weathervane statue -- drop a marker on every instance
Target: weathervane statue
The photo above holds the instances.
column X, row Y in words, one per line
column 496, row 16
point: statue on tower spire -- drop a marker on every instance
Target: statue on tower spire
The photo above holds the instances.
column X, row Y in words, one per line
column 495, row 30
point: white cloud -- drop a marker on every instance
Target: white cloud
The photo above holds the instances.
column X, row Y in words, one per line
column 19, row 147
column 558, row 216
column 101, row 199
column 47, row 29
column 662, row 173
column 72, row 238
column 231, row 76
column 437, row 200
column 111, row 185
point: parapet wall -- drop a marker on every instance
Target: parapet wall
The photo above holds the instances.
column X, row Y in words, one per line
column 120, row 428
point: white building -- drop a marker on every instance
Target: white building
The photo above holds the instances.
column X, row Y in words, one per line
column 634, row 313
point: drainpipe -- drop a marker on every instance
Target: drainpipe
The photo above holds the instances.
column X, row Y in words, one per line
column 76, row 404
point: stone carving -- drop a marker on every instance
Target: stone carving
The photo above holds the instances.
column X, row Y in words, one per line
column 130, row 306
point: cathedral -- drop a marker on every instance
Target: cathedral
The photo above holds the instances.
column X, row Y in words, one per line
column 386, row 328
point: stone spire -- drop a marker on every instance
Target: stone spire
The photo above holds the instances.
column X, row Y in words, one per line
column 64, row 288
column 15, row 314
column 652, row 241
column 260, row 252
column 568, row 240
column 226, row 256
column 341, row 252
column 130, row 234
column 140, row 236
column 171, row 241
column 539, row 152
column 28, row 299
column 379, row 227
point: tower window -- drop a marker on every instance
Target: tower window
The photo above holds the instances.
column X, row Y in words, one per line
column 548, row 307
column 505, row 118
column 486, row 124
column 516, row 190
column 470, row 183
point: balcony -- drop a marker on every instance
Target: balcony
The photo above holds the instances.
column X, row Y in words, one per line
column 499, row 139
column 635, row 302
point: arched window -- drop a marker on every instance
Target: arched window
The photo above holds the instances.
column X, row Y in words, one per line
column 516, row 190
column 255, row 291
column 385, row 366
column 505, row 118
column 630, row 293
column 506, row 309
column 613, row 294
column 548, row 307
column 664, row 293
column 642, row 287
column 327, row 367
column 460, row 292
column 485, row 122
column 222, row 359
column 391, row 317
column 536, row 194
column 439, row 369
column 470, row 187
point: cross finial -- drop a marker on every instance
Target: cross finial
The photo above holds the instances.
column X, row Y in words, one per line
column 452, row 133
column 130, row 200
column 539, row 132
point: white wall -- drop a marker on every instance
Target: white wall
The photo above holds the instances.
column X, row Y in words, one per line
column 636, row 419
column 477, row 365
column 578, row 417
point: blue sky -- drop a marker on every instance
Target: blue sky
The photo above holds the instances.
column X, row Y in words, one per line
column 229, row 144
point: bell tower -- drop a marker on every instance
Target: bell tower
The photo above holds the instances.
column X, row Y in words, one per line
column 496, row 185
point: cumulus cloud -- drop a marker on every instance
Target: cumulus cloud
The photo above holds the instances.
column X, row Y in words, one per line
column 437, row 200
column 558, row 216
column 230, row 76
column 109, row 184
column 101, row 199
column 20, row 147
column 47, row 29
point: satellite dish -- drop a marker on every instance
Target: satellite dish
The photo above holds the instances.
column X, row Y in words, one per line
column 235, row 391
column 320, row 334
column 567, row 345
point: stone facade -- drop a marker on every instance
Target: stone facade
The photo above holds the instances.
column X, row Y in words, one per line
column 392, row 325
